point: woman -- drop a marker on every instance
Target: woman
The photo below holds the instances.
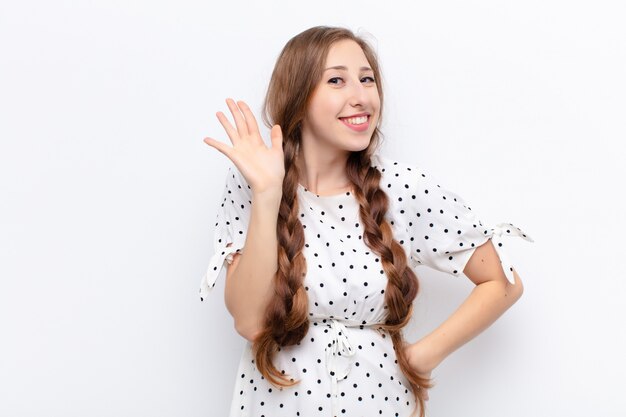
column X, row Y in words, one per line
column 332, row 232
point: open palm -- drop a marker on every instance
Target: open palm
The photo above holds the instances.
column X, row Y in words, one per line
column 262, row 167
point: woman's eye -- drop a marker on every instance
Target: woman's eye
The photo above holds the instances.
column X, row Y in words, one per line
column 337, row 80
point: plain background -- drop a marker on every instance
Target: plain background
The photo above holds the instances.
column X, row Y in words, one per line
column 109, row 195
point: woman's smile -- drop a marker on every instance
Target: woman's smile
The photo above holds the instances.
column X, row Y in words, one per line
column 358, row 123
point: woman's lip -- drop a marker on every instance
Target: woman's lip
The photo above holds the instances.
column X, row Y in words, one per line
column 359, row 128
column 356, row 115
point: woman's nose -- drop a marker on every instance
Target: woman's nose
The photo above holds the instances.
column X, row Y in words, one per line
column 358, row 94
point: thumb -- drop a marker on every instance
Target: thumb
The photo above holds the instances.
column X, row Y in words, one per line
column 276, row 136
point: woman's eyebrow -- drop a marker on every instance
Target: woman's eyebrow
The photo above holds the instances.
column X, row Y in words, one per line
column 344, row 68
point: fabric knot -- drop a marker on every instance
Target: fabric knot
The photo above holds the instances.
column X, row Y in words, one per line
column 497, row 233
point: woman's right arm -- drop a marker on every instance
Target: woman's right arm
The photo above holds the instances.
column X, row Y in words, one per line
column 250, row 277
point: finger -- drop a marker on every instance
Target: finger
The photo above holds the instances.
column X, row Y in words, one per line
column 276, row 136
column 253, row 127
column 222, row 147
column 240, row 121
column 230, row 130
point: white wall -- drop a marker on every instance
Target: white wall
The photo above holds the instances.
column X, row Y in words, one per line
column 108, row 195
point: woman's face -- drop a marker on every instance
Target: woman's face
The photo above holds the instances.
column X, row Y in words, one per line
column 345, row 106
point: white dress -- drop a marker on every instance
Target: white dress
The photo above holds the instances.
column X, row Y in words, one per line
column 346, row 364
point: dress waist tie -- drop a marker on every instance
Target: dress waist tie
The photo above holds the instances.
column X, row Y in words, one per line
column 338, row 346
column 340, row 351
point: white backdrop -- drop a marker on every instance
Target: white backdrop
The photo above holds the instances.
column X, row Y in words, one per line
column 109, row 195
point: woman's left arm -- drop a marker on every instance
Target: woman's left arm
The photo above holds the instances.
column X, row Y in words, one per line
column 491, row 297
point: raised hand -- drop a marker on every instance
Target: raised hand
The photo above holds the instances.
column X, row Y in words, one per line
column 262, row 167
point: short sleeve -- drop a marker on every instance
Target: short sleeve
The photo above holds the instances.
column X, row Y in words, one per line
column 231, row 227
column 444, row 230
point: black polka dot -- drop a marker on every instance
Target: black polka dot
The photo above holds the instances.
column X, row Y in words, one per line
column 345, row 284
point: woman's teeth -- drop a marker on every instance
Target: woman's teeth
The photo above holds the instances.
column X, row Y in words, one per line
column 356, row 120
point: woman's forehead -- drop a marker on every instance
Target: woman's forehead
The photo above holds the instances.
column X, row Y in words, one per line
column 346, row 54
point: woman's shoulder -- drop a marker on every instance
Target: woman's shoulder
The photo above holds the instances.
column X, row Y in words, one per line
column 396, row 171
column 409, row 181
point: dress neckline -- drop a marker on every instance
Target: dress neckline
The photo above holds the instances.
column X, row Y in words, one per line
column 375, row 161
column 342, row 194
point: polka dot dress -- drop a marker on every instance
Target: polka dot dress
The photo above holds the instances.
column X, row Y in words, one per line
column 346, row 364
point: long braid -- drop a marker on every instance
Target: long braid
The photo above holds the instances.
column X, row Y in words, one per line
column 402, row 285
column 286, row 318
